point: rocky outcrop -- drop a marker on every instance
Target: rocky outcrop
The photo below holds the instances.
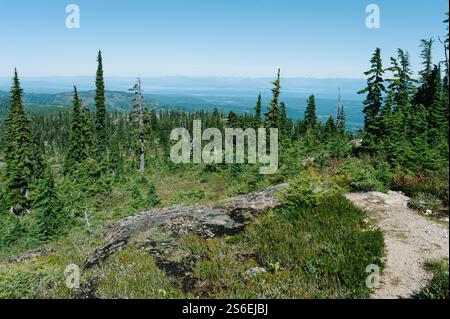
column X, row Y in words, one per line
column 226, row 217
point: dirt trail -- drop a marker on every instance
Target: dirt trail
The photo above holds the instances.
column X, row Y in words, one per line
column 410, row 239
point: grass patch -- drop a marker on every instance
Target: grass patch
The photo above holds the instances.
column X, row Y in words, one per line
column 438, row 287
column 318, row 251
column 131, row 273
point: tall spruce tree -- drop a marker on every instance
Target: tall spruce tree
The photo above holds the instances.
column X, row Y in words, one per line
column 101, row 129
column 258, row 111
column 418, row 137
column 402, row 82
column 86, row 128
column 79, row 141
column 48, row 209
column 438, row 115
column 310, row 114
column 375, row 90
column 426, row 88
column 19, row 155
column 386, row 114
column 340, row 117
column 330, row 127
column 427, row 59
column 273, row 114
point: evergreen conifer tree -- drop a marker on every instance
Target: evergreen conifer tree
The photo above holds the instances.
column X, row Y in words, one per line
column 48, row 209
column 77, row 151
column 340, row 117
column 100, row 117
column 402, row 82
column 233, row 120
column 426, row 88
column 330, row 127
column 258, row 111
column 375, row 90
column 284, row 122
column 273, row 114
column 152, row 198
column 310, row 114
column 86, row 129
column 19, row 155
column 438, row 115
column 427, row 59
column 418, row 135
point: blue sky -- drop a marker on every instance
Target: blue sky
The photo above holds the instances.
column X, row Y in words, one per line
column 321, row 38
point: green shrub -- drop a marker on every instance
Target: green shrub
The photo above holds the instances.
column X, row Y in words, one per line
column 384, row 175
column 423, row 202
column 3, row 202
column 152, row 197
column 189, row 197
column 17, row 282
column 138, row 200
column 300, row 193
column 359, row 175
column 11, row 230
column 49, row 212
column 131, row 273
column 326, row 245
column 434, row 184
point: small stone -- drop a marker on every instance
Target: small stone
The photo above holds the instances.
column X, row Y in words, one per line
column 253, row 272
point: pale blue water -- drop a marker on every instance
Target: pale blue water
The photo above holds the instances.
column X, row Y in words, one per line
column 242, row 101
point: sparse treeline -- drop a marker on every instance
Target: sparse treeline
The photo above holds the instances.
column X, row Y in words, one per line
column 84, row 153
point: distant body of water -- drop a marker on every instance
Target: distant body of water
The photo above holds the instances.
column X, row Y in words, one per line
column 244, row 101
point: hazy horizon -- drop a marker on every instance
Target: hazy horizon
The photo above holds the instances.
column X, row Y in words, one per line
column 195, row 85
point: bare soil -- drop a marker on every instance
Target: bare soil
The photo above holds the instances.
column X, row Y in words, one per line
column 411, row 240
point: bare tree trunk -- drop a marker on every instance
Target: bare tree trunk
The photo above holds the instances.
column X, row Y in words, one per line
column 446, row 59
column 138, row 118
column 142, row 157
column 446, row 62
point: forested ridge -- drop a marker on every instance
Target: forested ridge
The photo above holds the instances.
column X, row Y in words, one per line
column 65, row 174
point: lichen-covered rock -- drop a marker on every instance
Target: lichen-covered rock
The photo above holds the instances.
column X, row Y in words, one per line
column 253, row 272
column 226, row 217
column 102, row 253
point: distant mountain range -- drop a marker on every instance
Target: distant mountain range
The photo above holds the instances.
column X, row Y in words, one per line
column 185, row 84
column 186, row 93
column 115, row 100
